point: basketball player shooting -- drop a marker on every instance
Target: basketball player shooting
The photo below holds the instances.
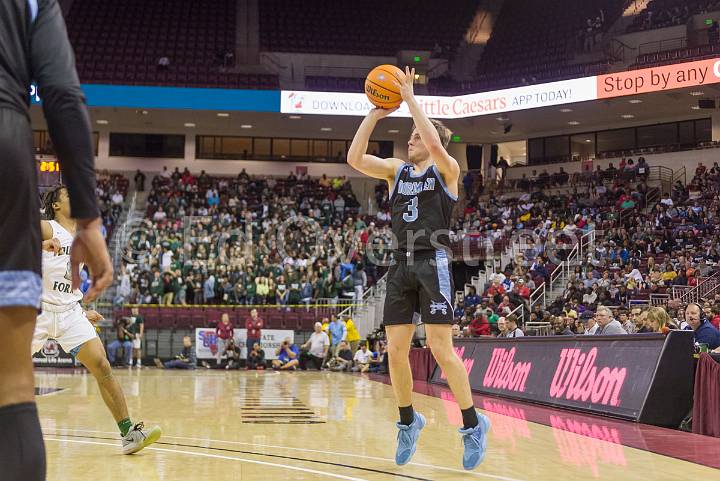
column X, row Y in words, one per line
column 423, row 192
column 63, row 319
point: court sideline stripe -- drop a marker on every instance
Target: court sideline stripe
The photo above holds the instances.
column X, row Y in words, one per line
column 278, row 456
column 218, row 456
column 335, row 453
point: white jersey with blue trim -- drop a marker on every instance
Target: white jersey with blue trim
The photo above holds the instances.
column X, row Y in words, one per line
column 56, row 271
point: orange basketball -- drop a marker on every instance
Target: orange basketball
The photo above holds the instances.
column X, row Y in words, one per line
column 380, row 87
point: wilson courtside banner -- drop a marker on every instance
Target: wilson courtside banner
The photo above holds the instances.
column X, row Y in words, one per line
column 612, row 375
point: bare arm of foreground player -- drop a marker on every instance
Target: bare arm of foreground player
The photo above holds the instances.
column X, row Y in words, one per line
column 447, row 165
column 371, row 165
column 53, row 67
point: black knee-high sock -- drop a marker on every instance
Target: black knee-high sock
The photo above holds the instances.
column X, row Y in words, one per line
column 407, row 415
column 470, row 417
column 22, row 451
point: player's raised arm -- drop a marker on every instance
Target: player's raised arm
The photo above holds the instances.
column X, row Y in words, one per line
column 369, row 164
column 53, row 67
column 446, row 164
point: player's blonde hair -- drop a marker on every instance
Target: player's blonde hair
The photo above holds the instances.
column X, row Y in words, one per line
column 443, row 131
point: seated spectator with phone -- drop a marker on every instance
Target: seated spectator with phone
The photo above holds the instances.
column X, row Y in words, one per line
column 288, row 356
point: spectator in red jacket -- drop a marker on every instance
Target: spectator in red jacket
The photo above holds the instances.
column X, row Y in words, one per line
column 254, row 325
column 224, row 332
column 523, row 290
column 479, row 326
column 715, row 321
column 496, row 289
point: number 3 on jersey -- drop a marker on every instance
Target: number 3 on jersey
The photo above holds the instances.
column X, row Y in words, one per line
column 412, row 214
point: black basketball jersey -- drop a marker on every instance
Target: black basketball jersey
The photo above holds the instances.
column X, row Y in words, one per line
column 421, row 206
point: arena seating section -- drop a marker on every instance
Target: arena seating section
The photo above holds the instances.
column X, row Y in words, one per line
column 679, row 240
column 538, row 39
column 349, row 27
column 665, row 13
column 120, row 42
column 668, row 57
column 176, row 317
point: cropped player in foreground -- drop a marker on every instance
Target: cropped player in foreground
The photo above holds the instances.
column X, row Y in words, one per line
column 423, row 192
column 63, row 319
column 34, row 47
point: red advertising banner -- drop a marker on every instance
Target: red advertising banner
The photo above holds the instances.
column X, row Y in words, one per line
column 631, row 377
column 656, row 79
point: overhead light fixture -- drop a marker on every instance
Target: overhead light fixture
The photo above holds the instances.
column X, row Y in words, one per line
column 102, row 122
column 326, row 129
column 393, row 131
column 295, row 117
column 223, row 114
column 588, row 140
column 246, row 126
column 695, row 107
column 566, row 110
column 189, row 124
column 697, row 93
column 502, row 119
column 573, row 122
column 145, row 112
column 627, row 116
column 634, row 101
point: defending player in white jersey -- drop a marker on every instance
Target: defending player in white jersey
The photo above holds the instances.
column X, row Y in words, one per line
column 63, row 319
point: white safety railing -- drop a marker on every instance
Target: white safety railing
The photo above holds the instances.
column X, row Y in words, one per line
column 587, row 244
column 367, row 313
column 562, row 272
column 707, row 287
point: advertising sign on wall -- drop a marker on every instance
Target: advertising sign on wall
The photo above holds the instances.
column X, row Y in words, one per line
column 52, row 355
column 206, row 341
column 621, row 376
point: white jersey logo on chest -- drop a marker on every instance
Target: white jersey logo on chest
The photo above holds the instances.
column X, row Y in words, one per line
column 414, row 188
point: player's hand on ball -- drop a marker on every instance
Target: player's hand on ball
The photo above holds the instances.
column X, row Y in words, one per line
column 380, row 113
column 89, row 248
column 406, row 83
column 52, row 245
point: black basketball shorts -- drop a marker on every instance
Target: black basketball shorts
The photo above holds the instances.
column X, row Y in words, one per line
column 20, row 239
column 423, row 285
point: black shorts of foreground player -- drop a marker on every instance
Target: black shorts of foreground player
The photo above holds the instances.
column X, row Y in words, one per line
column 423, row 192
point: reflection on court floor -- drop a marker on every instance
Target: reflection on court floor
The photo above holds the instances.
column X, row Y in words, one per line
column 302, row 425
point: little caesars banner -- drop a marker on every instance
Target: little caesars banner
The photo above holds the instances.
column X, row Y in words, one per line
column 206, row 342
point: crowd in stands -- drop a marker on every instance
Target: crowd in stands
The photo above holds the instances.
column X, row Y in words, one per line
column 666, row 13
column 334, row 345
column 251, row 240
column 675, row 242
column 703, row 319
column 111, row 191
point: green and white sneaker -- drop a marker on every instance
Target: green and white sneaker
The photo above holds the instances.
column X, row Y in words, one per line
column 137, row 439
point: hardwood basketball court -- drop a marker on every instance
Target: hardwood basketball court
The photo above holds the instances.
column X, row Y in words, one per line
column 256, row 426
